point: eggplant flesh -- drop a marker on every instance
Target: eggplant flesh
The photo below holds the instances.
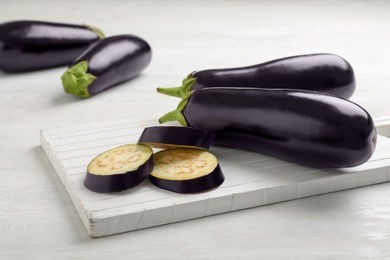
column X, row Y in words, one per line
column 185, row 170
column 119, row 168
column 35, row 45
column 105, row 64
column 166, row 137
column 324, row 72
column 304, row 127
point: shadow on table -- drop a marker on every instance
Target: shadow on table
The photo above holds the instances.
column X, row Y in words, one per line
column 64, row 99
column 7, row 75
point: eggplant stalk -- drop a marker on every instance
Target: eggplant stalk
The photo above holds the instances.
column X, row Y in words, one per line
column 177, row 114
column 98, row 32
column 76, row 80
column 181, row 91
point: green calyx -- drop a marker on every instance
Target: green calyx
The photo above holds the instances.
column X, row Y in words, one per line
column 96, row 30
column 76, row 80
column 177, row 114
column 181, row 91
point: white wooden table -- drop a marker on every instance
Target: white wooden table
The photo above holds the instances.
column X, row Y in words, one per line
column 39, row 220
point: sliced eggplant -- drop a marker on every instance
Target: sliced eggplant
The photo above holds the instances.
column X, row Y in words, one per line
column 164, row 137
column 119, row 168
column 186, row 170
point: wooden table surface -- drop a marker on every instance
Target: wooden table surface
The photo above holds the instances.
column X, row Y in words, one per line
column 37, row 217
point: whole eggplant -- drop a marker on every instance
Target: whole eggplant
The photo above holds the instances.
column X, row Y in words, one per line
column 105, row 64
column 322, row 72
column 305, row 127
column 35, row 45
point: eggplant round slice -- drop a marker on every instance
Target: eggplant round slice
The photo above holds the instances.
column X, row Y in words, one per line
column 119, row 168
column 164, row 137
column 35, row 45
column 105, row 64
column 185, row 170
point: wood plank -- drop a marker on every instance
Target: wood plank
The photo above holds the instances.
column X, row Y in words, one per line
column 252, row 180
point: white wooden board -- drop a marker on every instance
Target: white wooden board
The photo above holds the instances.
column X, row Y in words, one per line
column 251, row 179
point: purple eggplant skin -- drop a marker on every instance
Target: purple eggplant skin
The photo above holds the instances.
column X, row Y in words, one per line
column 176, row 136
column 323, row 72
column 105, row 64
column 118, row 182
column 305, row 127
column 196, row 185
column 36, row 45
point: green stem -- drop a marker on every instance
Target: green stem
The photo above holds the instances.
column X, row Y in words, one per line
column 76, row 80
column 174, row 92
column 96, row 30
column 181, row 91
column 177, row 114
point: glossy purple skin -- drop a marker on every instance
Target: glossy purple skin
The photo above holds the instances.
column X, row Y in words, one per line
column 304, row 127
column 35, row 45
column 114, row 60
column 177, row 136
column 200, row 184
column 118, row 182
column 326, row 73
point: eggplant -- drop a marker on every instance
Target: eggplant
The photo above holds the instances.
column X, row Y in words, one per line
column 105, row 64
column 186, row 170
column 305, row 127
column 166, row 137
column 119, row 168
column 321, row 72
column 35, row 45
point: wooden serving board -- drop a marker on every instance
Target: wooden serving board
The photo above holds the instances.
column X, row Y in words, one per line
column 251, row 179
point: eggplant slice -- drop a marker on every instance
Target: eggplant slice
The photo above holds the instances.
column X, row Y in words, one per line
column 186, row 170
column 164, row 137
column 119, row 168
